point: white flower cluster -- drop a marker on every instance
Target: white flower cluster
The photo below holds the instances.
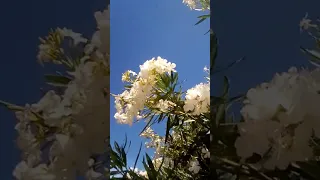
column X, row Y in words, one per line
column 280, row 118
column 55, row 134
column 131, row 102
column 165, row 105
column 306, row 23
column 156, row 142
column 194, row 164
column 199, row 5
column 138, row 172
column 198, row 99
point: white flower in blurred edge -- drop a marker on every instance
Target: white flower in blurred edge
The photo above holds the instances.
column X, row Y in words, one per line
column 287, row 92
column 83, row 74
column 26, row 140
column 195, row 167
column 206, row 152
column 24, row 172
column 101, row 38
column 254, row 137
column 305, row 23
column 47, row 103
column 288, row 148
column 93, row 175
column 43, row 52
column 103, row 18
column 281, row 115
column 76, row 37
column 288, row 144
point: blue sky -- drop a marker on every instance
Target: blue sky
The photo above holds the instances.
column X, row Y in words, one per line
column 145, row 29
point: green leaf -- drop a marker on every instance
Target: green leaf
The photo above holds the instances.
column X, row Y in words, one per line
column 148, row 124
column 220, row 114
column 310, row 169
column 149, row 172
column 115, row 160
column 12, row 107
column 226, row 87
column 202, row 18
column 315, row 56
column 152, row 173
column 135, row 162
column 57, row 80
column 168, row 127
column 213, row 50
column 189, row 121
column 228, row 66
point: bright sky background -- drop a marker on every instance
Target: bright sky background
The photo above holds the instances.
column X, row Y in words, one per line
column 140, row 31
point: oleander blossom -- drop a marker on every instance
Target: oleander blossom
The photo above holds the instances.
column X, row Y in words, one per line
column 55, row 134
column 132, row 101
column 194, row 166
column 140, row 173
column 23, row 171
column 306, row 23
column 199, row 5
column 197, row 99
column 280, row 117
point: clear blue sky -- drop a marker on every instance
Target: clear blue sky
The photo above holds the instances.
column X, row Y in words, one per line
column 145, row 29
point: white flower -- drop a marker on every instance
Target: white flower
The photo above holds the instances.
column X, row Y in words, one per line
column 48, row 102
column 194, row 166
column 101, row 38
column 93, row 175
column 287, row 148
column 305, row 23
column 198, row 99
column 206, row 152
column 43, row 53
column 288, row 92
column 76, row 37
column 254, row 137
column 197, row 4
column 126, row 77
column 281, row 116
column 83, row 73
column 158, row 65
column 165, row 105
column 24, row 172
column 103, row 18
column 62, row 139
column 131, row 102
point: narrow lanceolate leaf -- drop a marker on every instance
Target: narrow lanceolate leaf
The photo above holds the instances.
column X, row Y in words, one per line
column 226, row 87
column 213, row 50
column 149, row 167
column 57, row 80
column 202, row 18
column 12, row 107
column 137, row 158
column 315, row 56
